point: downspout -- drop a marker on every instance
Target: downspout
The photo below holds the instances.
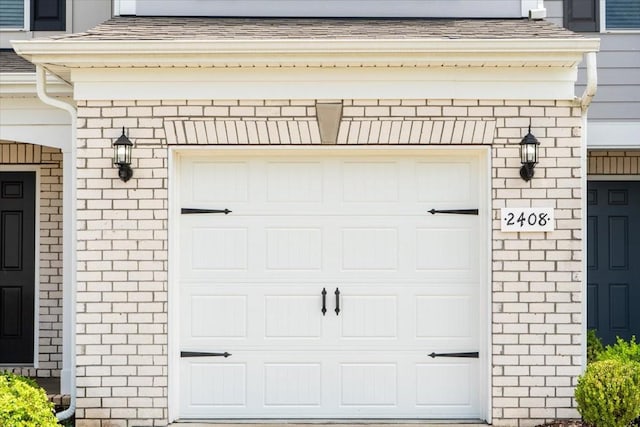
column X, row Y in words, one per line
column 585, row 101
column 68, row 241
column 592, row 82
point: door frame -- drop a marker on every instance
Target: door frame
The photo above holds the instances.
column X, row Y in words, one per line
column 175, row 153
column 36, row 265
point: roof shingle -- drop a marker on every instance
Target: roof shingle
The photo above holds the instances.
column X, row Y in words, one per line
column 190, row 28
column 10, row 62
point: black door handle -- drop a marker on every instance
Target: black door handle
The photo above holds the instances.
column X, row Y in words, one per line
column 324, row 301
column 337, row 292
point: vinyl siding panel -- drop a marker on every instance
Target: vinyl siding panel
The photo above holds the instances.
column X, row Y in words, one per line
column 618, row 96
column 334, row 8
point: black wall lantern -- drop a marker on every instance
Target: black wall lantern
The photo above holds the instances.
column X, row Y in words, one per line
column 528, row 155
column 122, row 157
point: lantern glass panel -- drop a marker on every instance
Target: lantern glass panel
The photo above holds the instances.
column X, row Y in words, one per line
column 529, row 153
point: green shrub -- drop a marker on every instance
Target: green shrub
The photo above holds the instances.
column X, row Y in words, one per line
column 608, row 393
column 622, row 350
column 23, row 403
column 594, row 346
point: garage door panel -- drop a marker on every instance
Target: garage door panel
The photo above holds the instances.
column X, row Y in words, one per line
column 368, row 384
column 250, row 283
column 292, row 316
column 369, row 316
column 445, row 388
column 445, row 182
column 218, row 316
column 214, row 385
column 369, row 249
column 445, row 316
column 335, row 384
column 294, row 248
column 219, row 248
column 370, row 182
column 299, row 182
column 452, row 249
column 217, row 182
column 293, row 384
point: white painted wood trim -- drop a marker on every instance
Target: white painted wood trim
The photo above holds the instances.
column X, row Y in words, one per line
column 124, row 7
column 613, row 135
column 305, row 52
column 326, row 83
column 488, row 295
column 173, row 339
column 37, row 254
column 613, row 177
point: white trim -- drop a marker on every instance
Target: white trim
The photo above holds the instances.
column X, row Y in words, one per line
column 304, row 52
column 613, row 135
column 533, row 7
column 27, row 15
column 124, row 7
column 488, row 256
column 173, row 329
column 37, row 254
column 584, row 167
column 482, row 153
column 325, row 83
column 629, row 177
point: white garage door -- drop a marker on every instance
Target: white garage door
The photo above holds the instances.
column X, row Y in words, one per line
column 400, row 284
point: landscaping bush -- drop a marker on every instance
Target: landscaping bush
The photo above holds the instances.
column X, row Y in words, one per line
column 621, row 350
column 23, row 403
column 608, row 393
column 594, row 346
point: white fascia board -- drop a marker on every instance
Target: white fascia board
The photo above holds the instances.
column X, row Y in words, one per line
column 463, row 52
column 13, row 84
column 321, row 69
column 325, row 83
column 613, row 135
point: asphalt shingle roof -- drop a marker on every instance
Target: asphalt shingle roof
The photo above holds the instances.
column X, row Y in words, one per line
column 10, row 62
column 190, row 28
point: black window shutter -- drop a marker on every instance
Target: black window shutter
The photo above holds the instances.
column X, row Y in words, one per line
column 582, row 15
column 48, row 15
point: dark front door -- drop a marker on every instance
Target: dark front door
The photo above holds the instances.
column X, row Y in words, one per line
column 613, row 259
column 17, row 266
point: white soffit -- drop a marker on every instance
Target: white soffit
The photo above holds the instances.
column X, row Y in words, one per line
column 319, row 69
column 613, row 135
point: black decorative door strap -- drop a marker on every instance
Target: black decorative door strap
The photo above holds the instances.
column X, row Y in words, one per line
column 337, row 292
column 454, row 211
column 203, row 354
column 204, row 211
column 469, row 354
column 324, row 301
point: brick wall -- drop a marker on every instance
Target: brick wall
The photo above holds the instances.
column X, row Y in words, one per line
column 49, row 162
column 615, row 162
column 122, row 238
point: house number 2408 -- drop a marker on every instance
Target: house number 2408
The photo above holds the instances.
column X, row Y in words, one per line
column 526, row 219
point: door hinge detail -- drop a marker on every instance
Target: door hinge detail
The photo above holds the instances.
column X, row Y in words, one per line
column 454, row 211
column 204, row 211
column 470, row 354
column 203, row 354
